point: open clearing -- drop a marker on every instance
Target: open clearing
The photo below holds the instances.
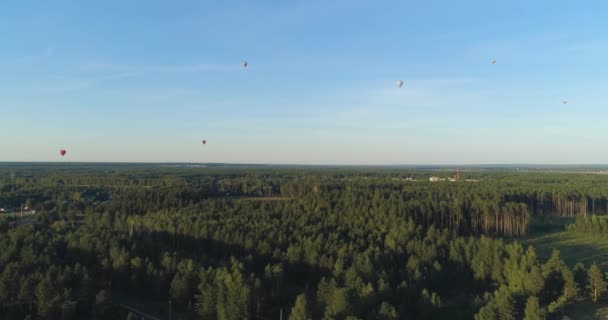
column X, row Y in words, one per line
column 573, row 247
column 587, row 310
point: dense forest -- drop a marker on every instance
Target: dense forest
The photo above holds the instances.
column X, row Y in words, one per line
column 302, row 243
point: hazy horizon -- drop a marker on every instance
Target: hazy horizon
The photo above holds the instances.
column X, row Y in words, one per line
column 411, row 165
column 147, row 81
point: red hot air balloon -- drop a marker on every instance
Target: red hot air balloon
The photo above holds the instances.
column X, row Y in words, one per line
column 62, row 152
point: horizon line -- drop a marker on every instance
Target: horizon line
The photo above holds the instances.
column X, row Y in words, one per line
column 306, row 164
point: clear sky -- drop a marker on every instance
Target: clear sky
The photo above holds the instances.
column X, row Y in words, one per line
column 147, row 80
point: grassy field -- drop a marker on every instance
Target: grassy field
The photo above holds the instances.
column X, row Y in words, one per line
column 548, row 233
column 573, row 247
column 156, row 308
column 586, row 310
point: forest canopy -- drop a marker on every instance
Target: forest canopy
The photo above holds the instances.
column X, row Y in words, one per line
column 80, row 241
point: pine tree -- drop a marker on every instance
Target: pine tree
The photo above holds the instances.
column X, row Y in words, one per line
column 237, row 293
column 426, row 304
column 535, row 281
column 300, row 309
column 557, row 281
column 597, row 285
column 27, row 290
column 45, row 297
column 570, row 287
column 339, row 301
column 221, row 304
column 487, row 312
column 325, row 291
column 387, row 312
column 102, row 299
column 180, row 288
column 505, row 304
column 533, row 310
column 338, row 267
column 206, row 300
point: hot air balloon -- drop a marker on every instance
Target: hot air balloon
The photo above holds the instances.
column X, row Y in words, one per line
column 493, row 61
column 62, row 152
column 244, row 64
column 399, row 83
column 204, row 141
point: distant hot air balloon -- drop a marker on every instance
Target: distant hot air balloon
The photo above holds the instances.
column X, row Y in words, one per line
column 244, row 64
column 62, row 152
column 399, row 83
column 493, row 61
column 204, row 141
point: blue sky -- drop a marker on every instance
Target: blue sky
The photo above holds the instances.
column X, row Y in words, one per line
column 147, row 80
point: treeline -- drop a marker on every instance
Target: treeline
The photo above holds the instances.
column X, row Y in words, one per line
column 589, row 224
column 499, row 204
column 479, row 205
